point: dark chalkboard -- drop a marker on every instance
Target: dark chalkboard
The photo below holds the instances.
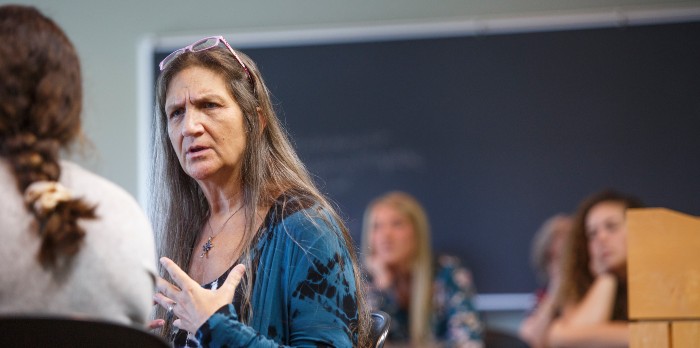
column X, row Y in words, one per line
column 496, row 133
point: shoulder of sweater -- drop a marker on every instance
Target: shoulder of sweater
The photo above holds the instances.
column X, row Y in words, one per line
column 94, row 188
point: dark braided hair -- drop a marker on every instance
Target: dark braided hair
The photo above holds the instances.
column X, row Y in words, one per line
column 41, row 94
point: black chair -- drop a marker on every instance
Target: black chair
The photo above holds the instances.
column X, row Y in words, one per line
column 494, row 338
column 66, row 332
column 380, row 328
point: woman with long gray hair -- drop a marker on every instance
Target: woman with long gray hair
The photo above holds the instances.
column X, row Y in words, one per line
column 255, row 256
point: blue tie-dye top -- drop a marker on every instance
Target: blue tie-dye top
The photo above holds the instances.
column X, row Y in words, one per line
column 304, row 291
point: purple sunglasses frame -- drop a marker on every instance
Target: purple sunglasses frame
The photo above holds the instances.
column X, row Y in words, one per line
column 191, row 48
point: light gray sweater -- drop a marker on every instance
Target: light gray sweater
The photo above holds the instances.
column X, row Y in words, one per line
column 112, row 276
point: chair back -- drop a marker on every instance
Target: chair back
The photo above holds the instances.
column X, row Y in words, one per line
column 67, row 332
column 381, row 322
column 494, row 338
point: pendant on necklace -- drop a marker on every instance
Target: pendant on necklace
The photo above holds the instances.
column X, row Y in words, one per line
column 206, row 247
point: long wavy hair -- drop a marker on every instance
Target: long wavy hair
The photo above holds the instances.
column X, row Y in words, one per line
column 420, row 305
column 577, row 276
column 270, row 168
column 41, row 102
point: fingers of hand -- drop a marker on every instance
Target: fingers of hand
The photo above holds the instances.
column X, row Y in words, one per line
column 179, row 276
column 163, row 300
column 234, row 278
column 166, row 303
column 154, row 324
column 165, row 288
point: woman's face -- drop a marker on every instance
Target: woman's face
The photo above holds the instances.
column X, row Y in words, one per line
column 607, row 237
column 392, row 236
column 205, row 125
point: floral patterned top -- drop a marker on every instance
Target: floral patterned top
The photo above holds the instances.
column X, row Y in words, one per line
column 456, row 322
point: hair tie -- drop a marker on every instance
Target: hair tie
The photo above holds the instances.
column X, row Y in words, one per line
column 44, row 196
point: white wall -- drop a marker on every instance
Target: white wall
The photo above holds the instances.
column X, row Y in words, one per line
column 108, row 34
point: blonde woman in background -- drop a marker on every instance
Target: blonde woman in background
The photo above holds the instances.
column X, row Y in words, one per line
column 430, row 301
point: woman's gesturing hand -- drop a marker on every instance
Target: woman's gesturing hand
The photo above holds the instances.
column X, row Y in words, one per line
column 190, row 302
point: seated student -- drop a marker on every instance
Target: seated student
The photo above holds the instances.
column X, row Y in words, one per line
column 73, row 244
column 428, row 302
column 593, row 293
column 546, row 259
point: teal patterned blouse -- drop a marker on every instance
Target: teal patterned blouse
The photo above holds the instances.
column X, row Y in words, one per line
column 455, row 323
column 304, row 291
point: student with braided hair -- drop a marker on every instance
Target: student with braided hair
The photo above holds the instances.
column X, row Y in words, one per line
column 73, row 244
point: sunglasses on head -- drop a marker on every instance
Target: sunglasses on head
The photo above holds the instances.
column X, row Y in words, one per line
column 203, row 45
